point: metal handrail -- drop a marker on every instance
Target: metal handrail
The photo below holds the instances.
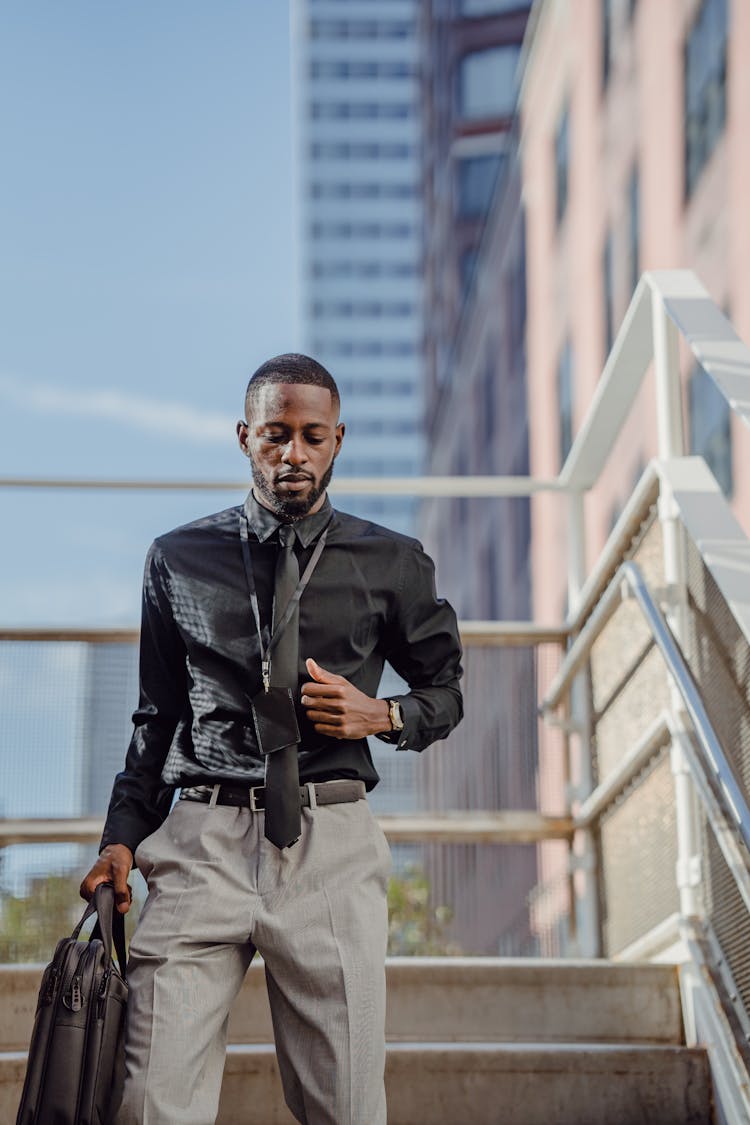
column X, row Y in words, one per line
column 719, row 771
column 461, row 826
column 431, row 486
column 478, row 634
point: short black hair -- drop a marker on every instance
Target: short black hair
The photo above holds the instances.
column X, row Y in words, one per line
column 292, row 367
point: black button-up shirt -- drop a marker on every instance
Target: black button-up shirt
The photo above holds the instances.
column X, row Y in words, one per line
column 371, row 598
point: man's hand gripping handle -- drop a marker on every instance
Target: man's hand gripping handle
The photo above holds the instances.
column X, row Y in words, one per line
column 113, row 866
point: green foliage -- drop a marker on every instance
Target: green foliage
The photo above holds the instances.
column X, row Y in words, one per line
column 415, row 926
column 30, row 927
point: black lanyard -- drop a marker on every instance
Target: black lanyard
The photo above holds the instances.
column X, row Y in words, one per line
column 268, row 643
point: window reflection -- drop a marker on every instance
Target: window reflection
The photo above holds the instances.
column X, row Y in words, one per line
column 710, row 427
column 487, row 82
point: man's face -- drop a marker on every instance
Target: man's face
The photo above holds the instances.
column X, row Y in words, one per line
column 292, row 438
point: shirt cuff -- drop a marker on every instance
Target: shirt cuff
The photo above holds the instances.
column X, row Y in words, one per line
column 402, row 739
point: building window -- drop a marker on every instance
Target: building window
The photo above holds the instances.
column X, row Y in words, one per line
column 366, row 347
column 363, row 308
column 476, row 177
column 360, row 111
column 489, row 410
column 562, row 145
column 341, row 68
column 607, row 40
column 398, row 231
column 516, row 306
column 608, row 288
column 467, row 265
column 492, row 7
column 361, row 29
column 487, row 83
column 711, row 428
column 344, row 190
column 565, row 399
column 634, row 222
column 347, row 268
column 358, row 150
column 705, row 87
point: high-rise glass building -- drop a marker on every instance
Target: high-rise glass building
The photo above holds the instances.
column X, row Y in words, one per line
column 357, row 126
column 358, row 165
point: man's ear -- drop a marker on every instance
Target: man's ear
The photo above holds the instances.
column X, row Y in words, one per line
column 242, row 436
column 340, row 431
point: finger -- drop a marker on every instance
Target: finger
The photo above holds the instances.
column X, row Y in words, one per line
column 325, row 717
column 123, row 900
column 327, row 729
column 322, row 675
column 123, row 893
column 85, row 890
column 92, row 881
column 322, row 691
column 324, row 703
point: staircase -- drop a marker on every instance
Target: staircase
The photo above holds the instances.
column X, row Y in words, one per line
column 483, row 1040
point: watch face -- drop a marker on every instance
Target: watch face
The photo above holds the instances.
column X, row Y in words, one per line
column 397, row 718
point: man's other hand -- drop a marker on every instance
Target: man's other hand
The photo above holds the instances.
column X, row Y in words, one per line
column 112, row 866
column 337, row 708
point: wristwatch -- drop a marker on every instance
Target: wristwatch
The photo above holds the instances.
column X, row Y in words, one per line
column 395, row 714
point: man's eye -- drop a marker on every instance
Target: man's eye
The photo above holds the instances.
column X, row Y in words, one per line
column 316, row 440
column 275, row 438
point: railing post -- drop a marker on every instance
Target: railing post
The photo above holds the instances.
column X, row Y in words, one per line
column 671, row 437
column 583, row 854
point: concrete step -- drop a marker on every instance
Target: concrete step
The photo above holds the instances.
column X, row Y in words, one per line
column 503, row 1084
column 456, row 999
column 485, row 1083
column 516, row 1000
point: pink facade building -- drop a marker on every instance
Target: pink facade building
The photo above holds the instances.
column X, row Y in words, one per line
column 635, row 116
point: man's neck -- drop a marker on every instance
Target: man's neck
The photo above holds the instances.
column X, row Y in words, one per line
column 283, row 516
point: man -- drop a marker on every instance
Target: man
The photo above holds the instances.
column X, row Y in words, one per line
column 264, row 632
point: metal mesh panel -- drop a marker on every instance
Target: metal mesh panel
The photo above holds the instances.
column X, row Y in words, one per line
column 727, row 915
column 629, row 686
column 638, row 857
column 640, row 698
column 719, row 657
column 647, row 550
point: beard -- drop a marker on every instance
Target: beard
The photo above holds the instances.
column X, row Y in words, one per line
column 291, row 507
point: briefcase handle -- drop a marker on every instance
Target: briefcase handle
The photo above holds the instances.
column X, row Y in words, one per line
column 110, row 923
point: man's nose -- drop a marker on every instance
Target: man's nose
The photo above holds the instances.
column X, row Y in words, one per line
column 294, row 452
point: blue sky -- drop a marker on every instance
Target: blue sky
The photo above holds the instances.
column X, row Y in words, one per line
column 147, row 267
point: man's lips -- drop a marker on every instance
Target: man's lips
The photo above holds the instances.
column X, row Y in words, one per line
column 294, row 480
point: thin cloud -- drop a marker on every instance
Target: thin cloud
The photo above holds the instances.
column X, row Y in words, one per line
column 157, row 416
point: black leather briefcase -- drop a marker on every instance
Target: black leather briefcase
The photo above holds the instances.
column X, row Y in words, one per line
column 75, row 1068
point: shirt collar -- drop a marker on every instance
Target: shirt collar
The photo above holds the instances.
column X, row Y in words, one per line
column 265, row 523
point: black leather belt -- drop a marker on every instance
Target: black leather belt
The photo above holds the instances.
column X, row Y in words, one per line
column 310, row 795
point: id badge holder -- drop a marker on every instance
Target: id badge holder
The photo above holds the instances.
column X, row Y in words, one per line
column 275, row 720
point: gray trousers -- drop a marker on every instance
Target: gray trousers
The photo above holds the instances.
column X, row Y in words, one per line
column 219, row 891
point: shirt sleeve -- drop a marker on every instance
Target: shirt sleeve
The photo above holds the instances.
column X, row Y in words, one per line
column 140, row 799
column 423, row 646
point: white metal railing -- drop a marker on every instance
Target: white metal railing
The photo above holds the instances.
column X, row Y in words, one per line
column 710, row 767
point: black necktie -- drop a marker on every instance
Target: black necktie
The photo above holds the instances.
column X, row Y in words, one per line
column 282, row 798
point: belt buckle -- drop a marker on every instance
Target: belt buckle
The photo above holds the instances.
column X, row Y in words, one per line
column 255, row 789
